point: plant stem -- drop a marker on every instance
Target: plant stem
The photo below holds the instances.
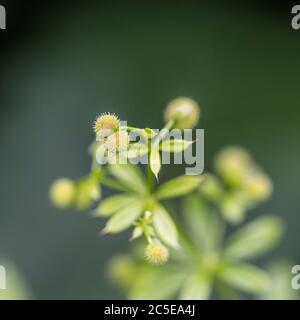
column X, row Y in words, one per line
column 147, row 235
column 163, row 132
column 150, row 177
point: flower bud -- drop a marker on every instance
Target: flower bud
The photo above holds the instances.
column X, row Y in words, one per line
column 88, row 191
column 156, row 253
column 105, row 125
column 258, row 186
column 62, row 192
column 184, row 111
column 234, row 164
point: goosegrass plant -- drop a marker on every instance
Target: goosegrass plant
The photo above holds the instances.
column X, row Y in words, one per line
column 185, row 253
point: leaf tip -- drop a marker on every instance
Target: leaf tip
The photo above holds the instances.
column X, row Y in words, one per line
column 93, row 214
column 103, row 232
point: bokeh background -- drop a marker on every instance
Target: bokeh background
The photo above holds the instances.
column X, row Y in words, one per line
column 64, row 62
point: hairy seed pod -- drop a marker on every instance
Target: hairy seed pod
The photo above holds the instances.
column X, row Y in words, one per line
column 156, row 253
column 105, row 124
column 234, row 164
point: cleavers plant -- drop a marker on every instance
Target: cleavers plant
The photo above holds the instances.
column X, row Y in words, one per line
column 203, row 259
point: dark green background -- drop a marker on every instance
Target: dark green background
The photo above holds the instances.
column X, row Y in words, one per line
column 63, row 63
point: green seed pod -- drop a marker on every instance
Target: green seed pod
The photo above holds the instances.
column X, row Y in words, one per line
column 105, row 125
column 156, row 253
column 87, row 192
column 234, row 164
column 184, row 111
column 258, row 186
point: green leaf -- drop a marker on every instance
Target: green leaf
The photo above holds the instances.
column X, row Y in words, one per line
column 156, row 283
column 136, row 233
column 112, row 204
column 155, row 162
column 165, row 226
column 204, row 224
column 124, row 218
column 130, row 176
column 196, row 287
column 225, row 292
column 255, row 238
column 179, row 186
column 175, row 145
column 245, row 277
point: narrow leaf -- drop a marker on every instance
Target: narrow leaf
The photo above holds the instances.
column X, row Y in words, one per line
column 130, row 176
column 178, row 187
column 245, row 277
column 112, row 204
column 175, row 145
column 165, row 226
column 124, row 218
column 136, row 233
column 196, row 287
column 255, row 238
column 225, row 292
column 156, row 283
column 205, row 226
column 155, row 162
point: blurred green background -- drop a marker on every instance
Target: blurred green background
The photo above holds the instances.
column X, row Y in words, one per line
column 63, row 63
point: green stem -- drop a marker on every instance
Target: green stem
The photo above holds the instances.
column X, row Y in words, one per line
column 147, row 235
column 140, row 132
column 163, row 132
column 150, row 177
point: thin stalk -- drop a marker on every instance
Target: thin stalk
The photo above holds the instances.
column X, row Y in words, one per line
column 150, row 178
column 147, row 235
column 163, row 132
